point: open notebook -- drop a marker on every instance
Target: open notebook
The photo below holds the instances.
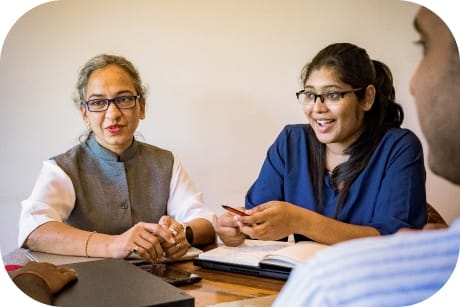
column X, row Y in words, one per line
column 274, row 259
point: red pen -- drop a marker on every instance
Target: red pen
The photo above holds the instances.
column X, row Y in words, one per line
column 235, row 211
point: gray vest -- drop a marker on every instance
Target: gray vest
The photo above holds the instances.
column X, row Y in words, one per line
column 115, row 192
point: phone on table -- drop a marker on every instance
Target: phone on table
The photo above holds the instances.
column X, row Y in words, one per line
column 235, row 211
column 174, row 276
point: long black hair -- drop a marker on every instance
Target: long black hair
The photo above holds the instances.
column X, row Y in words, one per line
column 353, row 66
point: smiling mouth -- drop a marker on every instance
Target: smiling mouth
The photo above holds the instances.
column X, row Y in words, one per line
column 323, row 122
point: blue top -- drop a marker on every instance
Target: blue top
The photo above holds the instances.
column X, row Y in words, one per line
column 397, row 270
column 388, row 194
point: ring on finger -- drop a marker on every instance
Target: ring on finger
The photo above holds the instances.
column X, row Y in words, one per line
column 177, row 245
column 173, row 231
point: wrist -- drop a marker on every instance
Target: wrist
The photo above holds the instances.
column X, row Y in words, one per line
column 302, row 220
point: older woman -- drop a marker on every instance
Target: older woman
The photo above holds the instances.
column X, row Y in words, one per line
column 112, row 195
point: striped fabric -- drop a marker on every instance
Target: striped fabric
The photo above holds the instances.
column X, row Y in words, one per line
column 396, row 270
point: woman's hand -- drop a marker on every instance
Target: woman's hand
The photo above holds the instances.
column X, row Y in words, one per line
column 228, row 230
column 272, row 220
column 179, row 247
column 145, row 239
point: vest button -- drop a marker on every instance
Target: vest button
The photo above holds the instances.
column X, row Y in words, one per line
column 124, row 205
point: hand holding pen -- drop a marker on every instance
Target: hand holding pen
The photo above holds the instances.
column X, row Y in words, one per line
column 227, row 226
column 234, row 211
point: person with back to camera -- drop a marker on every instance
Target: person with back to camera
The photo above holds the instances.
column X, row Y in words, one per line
column 112, row 195
column 406, row 268
column 351, row 172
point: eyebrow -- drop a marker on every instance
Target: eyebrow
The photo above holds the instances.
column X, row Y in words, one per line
column 120, row 93
column 324, row 87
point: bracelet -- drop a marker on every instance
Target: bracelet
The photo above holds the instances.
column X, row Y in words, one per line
column 86, row 243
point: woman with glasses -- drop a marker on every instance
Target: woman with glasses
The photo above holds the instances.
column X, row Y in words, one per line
column 351, row 172
column 111, row 195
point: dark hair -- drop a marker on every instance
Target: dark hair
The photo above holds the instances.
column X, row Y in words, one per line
column 353, row 66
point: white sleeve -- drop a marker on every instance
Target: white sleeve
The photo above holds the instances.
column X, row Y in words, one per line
column 52, row 199
column 185, row 201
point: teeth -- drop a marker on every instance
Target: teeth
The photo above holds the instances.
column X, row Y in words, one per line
column 324, row 121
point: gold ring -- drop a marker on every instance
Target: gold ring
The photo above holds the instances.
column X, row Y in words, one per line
column 173, row 231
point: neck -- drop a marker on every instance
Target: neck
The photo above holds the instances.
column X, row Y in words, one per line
column 334, row 156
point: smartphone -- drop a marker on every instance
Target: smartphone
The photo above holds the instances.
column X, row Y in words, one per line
column 235, row 211
column 174, row 276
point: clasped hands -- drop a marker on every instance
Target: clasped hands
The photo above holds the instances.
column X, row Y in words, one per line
column 154, row 242
column 268, row 221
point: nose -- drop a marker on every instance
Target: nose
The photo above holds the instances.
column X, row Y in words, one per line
column 319, row 105
column 321, row 98
column 112, row 111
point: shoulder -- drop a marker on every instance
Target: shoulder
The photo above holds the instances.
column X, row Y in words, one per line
column 154, row 150
column 296, row 129
column 403, row 134
column 72, row 152
column 294, row 132
column 403, row 138
column 290, row 137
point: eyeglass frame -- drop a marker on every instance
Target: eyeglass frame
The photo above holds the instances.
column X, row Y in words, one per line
column 321, row 96
column 109, row 101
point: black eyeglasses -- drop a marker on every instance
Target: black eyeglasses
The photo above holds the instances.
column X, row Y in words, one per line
column 331, row 98
column 102, row 104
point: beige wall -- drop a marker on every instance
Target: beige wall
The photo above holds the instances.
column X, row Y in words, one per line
column 221, row 78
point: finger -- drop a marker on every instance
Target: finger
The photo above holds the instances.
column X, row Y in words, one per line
column 177, row 250
column 165, row 220
column 160, row 231
column 227, row 220
column 152, row 248
column 175, row 230
column 248, row 229
column 229, row 231
column 248, row 220
column 141, row 252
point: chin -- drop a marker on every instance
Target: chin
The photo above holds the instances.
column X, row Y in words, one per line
column 325, row 139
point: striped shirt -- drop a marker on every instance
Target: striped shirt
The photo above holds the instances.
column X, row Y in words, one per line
column 394, row 270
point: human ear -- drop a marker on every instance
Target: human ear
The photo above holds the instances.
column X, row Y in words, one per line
column 84, row 115
column 142, row 108
column 369, row 98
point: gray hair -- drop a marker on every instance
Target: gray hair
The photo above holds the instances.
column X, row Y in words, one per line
column 101, row 61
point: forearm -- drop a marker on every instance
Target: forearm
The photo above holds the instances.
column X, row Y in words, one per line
column 63, row 239
column 330, row 231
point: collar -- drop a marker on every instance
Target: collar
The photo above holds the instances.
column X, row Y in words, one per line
column 108, row 155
